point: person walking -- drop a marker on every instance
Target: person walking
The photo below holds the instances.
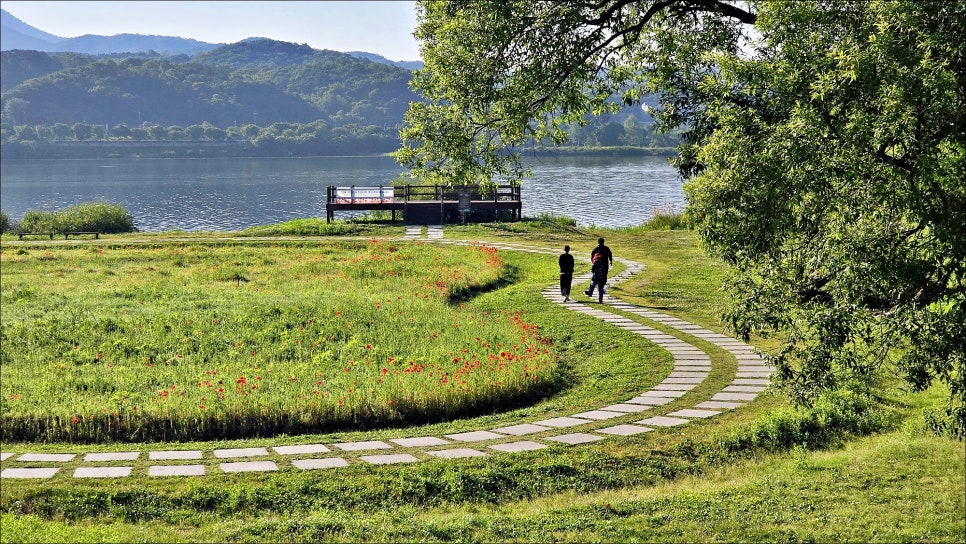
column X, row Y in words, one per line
column 566, row 263
column 601, row 259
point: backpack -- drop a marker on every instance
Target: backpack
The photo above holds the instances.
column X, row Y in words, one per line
column 598, row 263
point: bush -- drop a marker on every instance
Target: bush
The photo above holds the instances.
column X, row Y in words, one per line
column 87, row 217
column 4, row 222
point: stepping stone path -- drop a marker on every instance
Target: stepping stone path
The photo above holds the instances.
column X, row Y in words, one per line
column 637, row 415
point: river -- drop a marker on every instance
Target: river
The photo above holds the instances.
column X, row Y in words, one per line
column 231, row 194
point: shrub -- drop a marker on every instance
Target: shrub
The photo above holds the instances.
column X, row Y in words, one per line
column 4, row 222
column 89, row 217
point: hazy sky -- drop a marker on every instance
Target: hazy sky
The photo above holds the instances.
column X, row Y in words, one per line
column 376, row 27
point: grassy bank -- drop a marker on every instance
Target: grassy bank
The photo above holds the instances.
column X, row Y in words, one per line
column 854, row 469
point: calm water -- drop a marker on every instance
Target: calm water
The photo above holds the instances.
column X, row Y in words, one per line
column 231, row 194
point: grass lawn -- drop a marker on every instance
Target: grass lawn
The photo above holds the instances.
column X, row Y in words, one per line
column 748, row 475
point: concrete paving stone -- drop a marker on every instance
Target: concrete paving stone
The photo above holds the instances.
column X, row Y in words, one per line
column 176, row 470
column 304, row 449
column 389, row 459
column 114, row 456
column 629, row 408
column 327, row 462
column 513, row 447
column 597, row 415
column 41, row 473
column 734, row 396
column 575, row 438
column 753, row 374
column 47, row 457
column 662, row 421
column 687, row 374
column 744, row 389
column 651, row 401
column 719, row 404
column 690, row 412
column 169, row 455
column 691, row 357
column 474, row 436
column 102, row 472
column 684, row 380
column 559, row 422
column 625, row 430
column 362, row 446
column 522, row 429
column 457, row 453
column 674, row 386
column 664, row 394
column 249, row 466
column 751, row 381
column 6, row 455
column 420, row 442
column 240, row 452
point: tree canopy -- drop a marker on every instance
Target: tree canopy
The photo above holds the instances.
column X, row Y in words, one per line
column 823, row 153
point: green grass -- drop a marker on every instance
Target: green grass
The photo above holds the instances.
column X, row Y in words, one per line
column 850, row 470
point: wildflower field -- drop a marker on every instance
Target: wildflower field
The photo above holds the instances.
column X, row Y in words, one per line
column 200, row 340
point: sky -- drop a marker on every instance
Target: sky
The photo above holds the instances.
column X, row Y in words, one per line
column 382, row 27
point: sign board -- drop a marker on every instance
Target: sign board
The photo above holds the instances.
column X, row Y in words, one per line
column 364, row 195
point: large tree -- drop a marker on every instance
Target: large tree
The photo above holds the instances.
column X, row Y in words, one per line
column 824, row 152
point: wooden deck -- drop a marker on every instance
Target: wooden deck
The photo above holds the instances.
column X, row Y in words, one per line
column 423, row 204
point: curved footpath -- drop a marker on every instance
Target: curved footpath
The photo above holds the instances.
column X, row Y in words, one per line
column 636, row 415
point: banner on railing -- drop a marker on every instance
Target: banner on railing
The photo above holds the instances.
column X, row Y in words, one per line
column 364, row 195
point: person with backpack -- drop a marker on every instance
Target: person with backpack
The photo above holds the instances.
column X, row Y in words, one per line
column 601, row 259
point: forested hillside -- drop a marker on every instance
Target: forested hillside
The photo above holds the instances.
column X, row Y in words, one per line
column 257, row 97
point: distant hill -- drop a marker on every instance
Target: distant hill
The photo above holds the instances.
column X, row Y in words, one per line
column 257, row 81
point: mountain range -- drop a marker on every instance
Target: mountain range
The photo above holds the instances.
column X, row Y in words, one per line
column 16, row 34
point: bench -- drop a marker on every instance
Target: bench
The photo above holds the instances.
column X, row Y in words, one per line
column 20, row 235
column 68, row 234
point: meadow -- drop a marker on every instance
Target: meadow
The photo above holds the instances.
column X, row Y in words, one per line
column 200, row 341
column 852, row 468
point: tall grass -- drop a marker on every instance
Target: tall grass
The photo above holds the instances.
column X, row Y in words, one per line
column 665, row 218
column 86, row 217
column 202, row 341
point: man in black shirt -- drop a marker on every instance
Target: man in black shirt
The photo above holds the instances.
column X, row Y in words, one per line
column 566, row 262
column 601, row 265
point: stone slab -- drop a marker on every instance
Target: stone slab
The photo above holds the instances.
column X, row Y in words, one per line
column 674, row 386
column 304, row 449
column 662, row 421
column 744, row 389
column 47, row 457
column 763, row 374
column 734, row 396
column 249, row 466
column 575, row 438
column 176, row 470
column 312, row 464
column 751, row 381
column 174, row 454
column 664, row 393
column 684, row 380
column 651, row 401
column 42, row 473
column 688, row 374
column 690, row 412
column 719, row 404
column 456, row 453
column 102, row 472
column 475, row 436
column 629, row 408
column 513, row 447
column 420, row 442
column 363, row 446
column 598, row 415
column 115, row 456
column 522, row 429
column 6, row 455
column 389, row 459
column 625, row 430
column 559, row 422
column 240, row 452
